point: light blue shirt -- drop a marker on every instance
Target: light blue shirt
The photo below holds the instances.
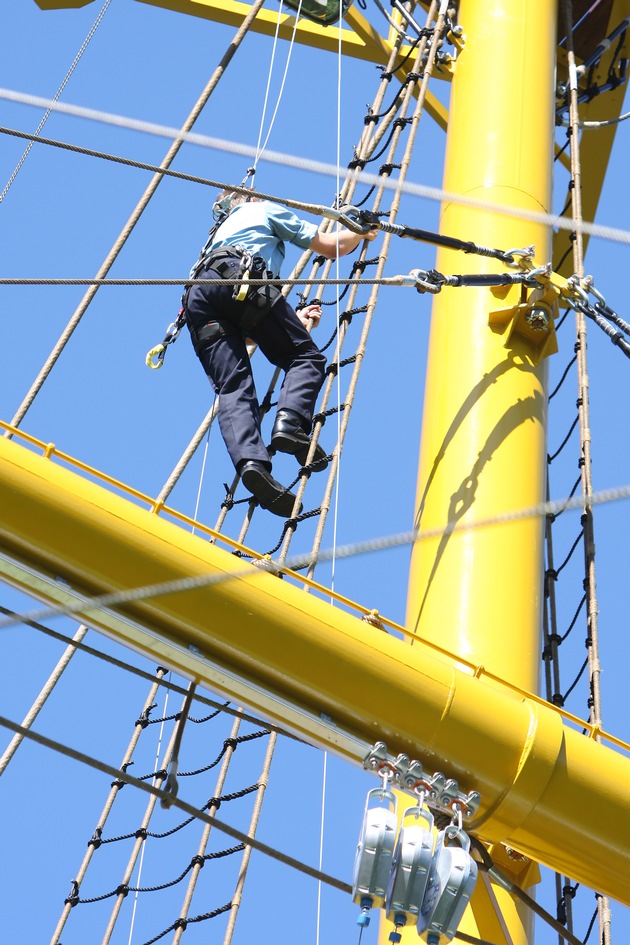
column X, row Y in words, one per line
column 261, row 228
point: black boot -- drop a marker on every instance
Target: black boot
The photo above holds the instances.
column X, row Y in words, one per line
column 288, row 436
column 270, row 493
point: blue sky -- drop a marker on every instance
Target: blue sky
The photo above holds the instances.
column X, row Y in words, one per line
column 102, row 404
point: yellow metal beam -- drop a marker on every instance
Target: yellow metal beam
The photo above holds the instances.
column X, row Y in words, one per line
column 359, row 40
column 482, row 451
column 64, row 536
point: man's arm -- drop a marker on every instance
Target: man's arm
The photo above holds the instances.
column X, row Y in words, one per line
column 342, row 241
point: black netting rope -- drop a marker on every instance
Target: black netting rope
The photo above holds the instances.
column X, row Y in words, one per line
column 182, row 923
column 293, row 523
column 228, row 743
column 232, row 743
column 357, row 266
column 570, row 554
column 552, row 516
column 142, row 833
column 575, row 617
column 123, row 890
column 345, row 317
column 177, row 715
column 563, row 378
column 561, row 323
column 575, row 682
column 553, row 456
column 590, row 926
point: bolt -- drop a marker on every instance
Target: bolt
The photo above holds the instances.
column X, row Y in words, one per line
column 457, row 30
column 537, row 318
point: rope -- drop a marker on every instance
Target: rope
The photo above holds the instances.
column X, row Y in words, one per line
column 45, row 692
column 359, row 353
column 47, row 113
column 113, row 793
column 592, row 659
column 614, row 234
column 263, row 781
column 260, row 150
column 230, row 748
column 135, row 216
column 156, row 793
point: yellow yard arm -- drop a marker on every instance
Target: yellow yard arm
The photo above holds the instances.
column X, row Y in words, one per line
column 547, row 790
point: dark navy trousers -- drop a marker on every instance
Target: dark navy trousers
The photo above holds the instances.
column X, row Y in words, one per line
column 282, row 339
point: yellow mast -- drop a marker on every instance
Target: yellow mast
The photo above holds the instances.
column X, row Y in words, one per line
column 482, row 453
column 479, row 592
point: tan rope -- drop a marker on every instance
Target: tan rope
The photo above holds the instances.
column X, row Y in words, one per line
column 158, row 782
column 135, row 216
column 111, row 797
column 360, row 351
column 40, row 701
column 586, row 469
column 263, row 781
column 205, row 836
column 188, row 809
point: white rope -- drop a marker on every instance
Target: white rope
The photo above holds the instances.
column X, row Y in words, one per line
column 269, row 74
column 260, row 150
column 158, row 751
column 613, row 234
column 603, row 124
column 57, row 95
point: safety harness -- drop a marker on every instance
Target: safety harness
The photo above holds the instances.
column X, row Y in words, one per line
column 230, row 262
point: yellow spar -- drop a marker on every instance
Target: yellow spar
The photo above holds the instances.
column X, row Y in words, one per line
column 69, row 536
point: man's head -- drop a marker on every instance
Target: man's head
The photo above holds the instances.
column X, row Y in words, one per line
column 226, row 201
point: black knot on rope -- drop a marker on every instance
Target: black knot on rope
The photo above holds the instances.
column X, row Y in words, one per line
column 387, row 168
column 557, row 699
column 180, row 924
column 555, row 638
column 552, row 574
column 143, row 720
column 228, row 502
column 385, row 74
column 320, row 260
column 230, row 743
column 327, row 413
column 141, row 833
column 198, row 860
column 119, row 783
column 122, row 890
column 73, row 897
column 214, row 802
column 413, row 77
column 581, row 462
column 370, row 119
column 573, row 236
column 96, row 838
column 401, row 122
column 546, row 653
column 357, row 162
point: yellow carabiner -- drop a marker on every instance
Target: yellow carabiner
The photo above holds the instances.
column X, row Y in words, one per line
column 242, row 292
column 157, row 351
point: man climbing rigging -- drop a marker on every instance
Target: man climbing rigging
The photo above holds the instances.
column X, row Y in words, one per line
column 249, row 242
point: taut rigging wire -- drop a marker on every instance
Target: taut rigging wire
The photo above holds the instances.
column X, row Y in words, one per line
column 57, row 94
